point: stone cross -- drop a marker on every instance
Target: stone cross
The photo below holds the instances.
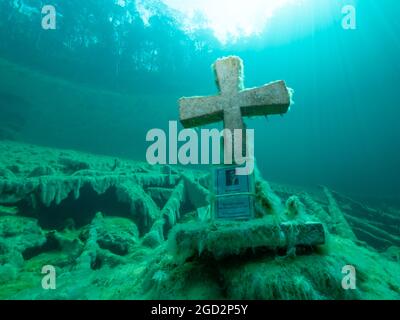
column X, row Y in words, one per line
column 233, row 101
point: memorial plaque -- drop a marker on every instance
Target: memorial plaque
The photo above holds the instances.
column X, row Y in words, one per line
column 234, row 207
column 234, row 194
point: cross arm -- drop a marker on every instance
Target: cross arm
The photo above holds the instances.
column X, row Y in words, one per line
column 272, row 98
column 199, row 111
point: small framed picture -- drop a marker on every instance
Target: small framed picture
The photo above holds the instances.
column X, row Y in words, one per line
column 226, row 181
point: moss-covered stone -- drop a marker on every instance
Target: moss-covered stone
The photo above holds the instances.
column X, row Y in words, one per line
column 118, row 235
column 20, row 234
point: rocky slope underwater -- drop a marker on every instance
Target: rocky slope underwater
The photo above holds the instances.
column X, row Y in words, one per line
column 110, row 227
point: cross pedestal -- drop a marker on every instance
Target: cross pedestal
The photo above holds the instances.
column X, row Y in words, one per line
column 228, row 238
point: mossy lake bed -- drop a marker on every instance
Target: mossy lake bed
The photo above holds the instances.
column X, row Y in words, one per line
column 108, row 227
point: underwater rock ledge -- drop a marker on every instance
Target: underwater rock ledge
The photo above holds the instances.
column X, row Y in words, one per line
column 107, row 224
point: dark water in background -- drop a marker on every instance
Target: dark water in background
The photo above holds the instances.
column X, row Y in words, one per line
column 342, row 132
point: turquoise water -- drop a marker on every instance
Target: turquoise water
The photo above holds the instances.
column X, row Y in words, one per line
column 342, row 132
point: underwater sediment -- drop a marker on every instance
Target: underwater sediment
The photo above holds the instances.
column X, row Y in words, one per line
column 113, row 229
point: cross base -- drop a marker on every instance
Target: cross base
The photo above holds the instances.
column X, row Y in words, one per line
column 224, row 238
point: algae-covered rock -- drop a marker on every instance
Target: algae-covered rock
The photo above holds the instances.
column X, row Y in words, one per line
column 8, row 273
column 8, row 210
column 20, row 234
column 295, row 208
column 393, row 253
column 18, row 237
column 73, row 164
column 67, row 242
column 6, row 173
column 41, row 171
column 152, row 239
column 117, row 235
